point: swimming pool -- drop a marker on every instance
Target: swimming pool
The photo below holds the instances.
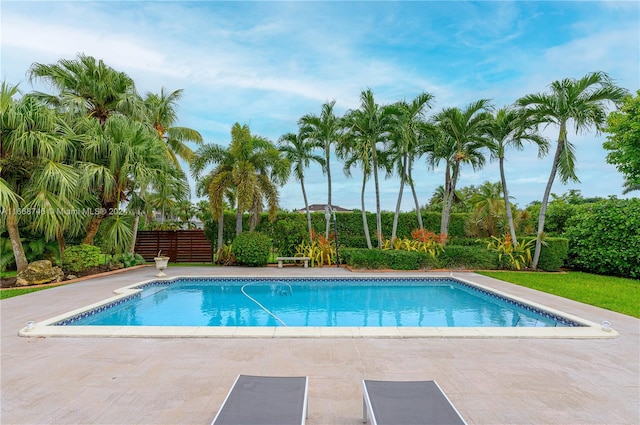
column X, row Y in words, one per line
column 316, row 302
column 404, row 306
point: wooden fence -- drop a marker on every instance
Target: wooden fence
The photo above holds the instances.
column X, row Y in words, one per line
column 181, row 246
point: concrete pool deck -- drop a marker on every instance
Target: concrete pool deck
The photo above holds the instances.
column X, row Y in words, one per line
column 89, row 380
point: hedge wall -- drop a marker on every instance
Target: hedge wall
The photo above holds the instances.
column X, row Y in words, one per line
column 553, row 255
column 605, row 238
column 289, row 229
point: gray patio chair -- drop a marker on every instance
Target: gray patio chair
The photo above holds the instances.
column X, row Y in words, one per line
column 265, row 400
column 407, row 403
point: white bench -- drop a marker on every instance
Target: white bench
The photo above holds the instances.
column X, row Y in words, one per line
column 295, row 259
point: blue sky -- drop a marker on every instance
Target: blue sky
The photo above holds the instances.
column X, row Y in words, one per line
column 268, row 63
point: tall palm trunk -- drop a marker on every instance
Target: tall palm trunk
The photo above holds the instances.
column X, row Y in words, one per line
column 415, row 199
column 238, row 222
column 134, row 237
column 374, row 158
column 446, row 216
column 327, row 158
column 562, row 138
column 364, row 213
column 306, row 207
column 221, row 229
column 16, row 243
column 399, row 203
column 507, row 204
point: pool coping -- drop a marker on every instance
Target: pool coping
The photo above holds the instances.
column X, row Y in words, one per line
column 45, row 328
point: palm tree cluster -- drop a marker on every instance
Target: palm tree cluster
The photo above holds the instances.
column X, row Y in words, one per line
column 96, row 145
column 390, row 138
column 71, row 160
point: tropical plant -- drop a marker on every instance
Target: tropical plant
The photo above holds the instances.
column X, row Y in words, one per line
column 161, row 113
column 581, row 103
column 463, row 135
column 252, row 166
column 407, row 143
column 324, row 130
column 225, row 257
column 88, row 87
column 298, row 150
column 369, row 126
column 509, row 129
column 511, row 256
column 321, row 251
column 37, row 185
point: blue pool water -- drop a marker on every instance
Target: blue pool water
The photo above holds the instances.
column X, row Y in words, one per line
column 316, row 302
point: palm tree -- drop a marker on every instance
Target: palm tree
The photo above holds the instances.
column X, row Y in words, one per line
column 509, row 129
column 33, row 170
column 581, row 102
column 119, row 157
column 88, row 87
column 325, row 130
column 161, row 111
column 462, row 137
column 352, row 149
column 371, row 125
column 217, row 182
column 405, row 145
column 251, row 165
column 298, row 149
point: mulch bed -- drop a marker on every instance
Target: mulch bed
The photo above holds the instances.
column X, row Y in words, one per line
column 10, row 282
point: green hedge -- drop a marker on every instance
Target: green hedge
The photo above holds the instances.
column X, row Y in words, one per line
column 605, row 238
column 289, row 229
column 554, row 253
column 467, row 257
column 372, row 259
column 252, row 249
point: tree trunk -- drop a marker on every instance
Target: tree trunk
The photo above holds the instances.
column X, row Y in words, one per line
column 238, row 222
column 328, row 154
column 136, row 222
column 415, row 200
column 16, row 243
column 306, row 207
column 446, row 210
column 507, row 204
column 399, row 203
column 562, row 137
column 92, row 229
column 377, row 189
column 444, row 228
column 61, row 242
column 221, row 229
column 364, row 213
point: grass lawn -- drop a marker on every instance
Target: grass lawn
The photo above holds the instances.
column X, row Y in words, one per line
column 612, row 293
column 8, row 293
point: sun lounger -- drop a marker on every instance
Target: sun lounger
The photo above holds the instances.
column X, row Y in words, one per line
column 264, row 400
column 407, row 403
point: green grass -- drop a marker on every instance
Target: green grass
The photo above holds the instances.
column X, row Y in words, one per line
column 8, row 293
column 8, row 274
column 612, row 293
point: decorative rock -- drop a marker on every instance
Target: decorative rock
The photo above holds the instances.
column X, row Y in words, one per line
column 39, row 272
column 71, row 276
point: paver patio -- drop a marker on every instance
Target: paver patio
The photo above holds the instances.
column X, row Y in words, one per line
column 184, row 380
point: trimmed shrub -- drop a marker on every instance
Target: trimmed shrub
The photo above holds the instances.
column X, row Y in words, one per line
column 252, row 249
column 467, row 257
column 80, row 257
column 605, row 238
column 362, row 258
